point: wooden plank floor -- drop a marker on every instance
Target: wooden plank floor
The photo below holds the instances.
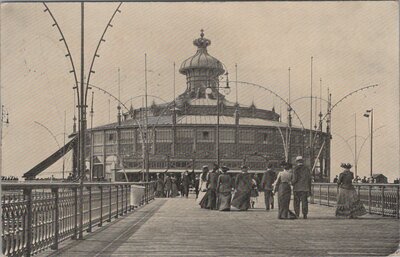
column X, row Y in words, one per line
column 178, row 227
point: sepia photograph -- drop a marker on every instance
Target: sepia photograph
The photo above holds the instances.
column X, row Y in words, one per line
column 233, row 128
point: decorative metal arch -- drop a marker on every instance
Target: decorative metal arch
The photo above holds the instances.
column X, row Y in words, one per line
column 73, row 71
column 117, row 10
column 273, row 93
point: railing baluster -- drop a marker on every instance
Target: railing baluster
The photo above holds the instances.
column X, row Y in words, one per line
column 109, row 206
column 89, row 188
column 75, row 235
column 398, row 202
column 126, row 198
column 116, row 212
column 383, row 201
column 28, row 231
column 320, row 194
column 369, row 198
column 122, row 200
column 55, row 219
column 328, row 194
column 101, row 206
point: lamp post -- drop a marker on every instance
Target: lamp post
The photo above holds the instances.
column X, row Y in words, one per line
column 209, row 90
column 368, row 114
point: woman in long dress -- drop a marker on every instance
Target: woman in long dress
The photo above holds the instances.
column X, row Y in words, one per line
column 241, row 199
column 348, row 202
column 160, row 186
column 254, row 191
column 224, row 189
column 168, row 186
column 174, row 188
column 202, row 199
column 282, row 186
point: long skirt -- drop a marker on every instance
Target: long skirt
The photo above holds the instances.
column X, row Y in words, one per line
column 224, row 201
column 203, row 199
column 241, row 200
column 349, row 204
column 284, row 192
column 212, row 199
column 174, row 190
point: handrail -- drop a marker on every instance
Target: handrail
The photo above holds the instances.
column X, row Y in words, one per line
column 378, row 198
column 39, row 215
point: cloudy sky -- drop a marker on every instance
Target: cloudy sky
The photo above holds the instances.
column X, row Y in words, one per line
column 354, row 44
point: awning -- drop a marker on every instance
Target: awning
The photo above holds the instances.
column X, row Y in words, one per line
column 32, row 173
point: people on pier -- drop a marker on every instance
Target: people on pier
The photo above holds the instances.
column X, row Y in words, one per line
column 185, row 184
column 174, row 186
column 224, row 189
column 196, row 185
column 267, row 182
column 254, row 190
column 241, row 198
column 212, row 180
column 167, row 186
column 335, row 180
column 301, row 187
column 203, row 193
column 283, row 187
column 348, row 202
column 160, row 186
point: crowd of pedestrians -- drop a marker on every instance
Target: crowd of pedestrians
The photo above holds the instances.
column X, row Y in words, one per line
column 217, row 189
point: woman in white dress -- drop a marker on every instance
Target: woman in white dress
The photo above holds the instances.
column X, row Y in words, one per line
column 203, row 196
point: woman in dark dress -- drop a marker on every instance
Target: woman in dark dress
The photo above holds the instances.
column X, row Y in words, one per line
column 284, row 190
column 241, row 199
column 160, row 186
column 224, row 189
column 348, row 202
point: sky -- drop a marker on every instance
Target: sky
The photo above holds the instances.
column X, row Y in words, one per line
column 353, row 44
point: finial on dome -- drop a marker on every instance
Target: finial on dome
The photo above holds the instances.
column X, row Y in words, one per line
column 202, row 42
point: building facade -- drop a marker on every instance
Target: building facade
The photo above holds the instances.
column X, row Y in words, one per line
column 183, row 134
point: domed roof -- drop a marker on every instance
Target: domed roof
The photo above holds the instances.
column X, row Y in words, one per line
column 202, row 60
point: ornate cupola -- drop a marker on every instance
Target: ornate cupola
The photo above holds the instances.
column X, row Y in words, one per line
column 201, row 70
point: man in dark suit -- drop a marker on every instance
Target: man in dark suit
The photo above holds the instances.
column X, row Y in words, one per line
column 301, row 187
column 212, row 183
column 267, row 181
column 185, row 184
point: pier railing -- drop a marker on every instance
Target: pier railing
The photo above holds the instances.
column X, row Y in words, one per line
column 37, row 216
column 380, row 199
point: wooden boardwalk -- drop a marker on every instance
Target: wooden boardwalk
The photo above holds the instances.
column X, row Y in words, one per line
column 178, row 227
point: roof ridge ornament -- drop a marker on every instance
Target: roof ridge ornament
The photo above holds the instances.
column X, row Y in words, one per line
column 202, row 42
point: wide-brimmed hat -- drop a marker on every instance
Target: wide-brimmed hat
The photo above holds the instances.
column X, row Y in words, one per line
column 224, row 169
column 205, row 167
column 346, row 165
column 299, row 158
column 243, row 167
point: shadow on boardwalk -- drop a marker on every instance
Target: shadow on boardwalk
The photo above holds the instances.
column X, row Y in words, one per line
column 178, row 227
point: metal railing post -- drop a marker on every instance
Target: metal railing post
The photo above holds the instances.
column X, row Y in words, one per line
column 55, row 218
column 328, row 194
column 383, row 200
column 116, row 212
column 75, row 234
column 369, row 198
column 89, row 188
column 109, row 204
column 81, row 210
column 101, row 206
column 398, row 202
column 28, row 229
column 126, row 198
column 122, row 200
column 320, row 194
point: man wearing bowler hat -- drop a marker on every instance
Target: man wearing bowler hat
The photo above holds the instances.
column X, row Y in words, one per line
column 301, row 187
